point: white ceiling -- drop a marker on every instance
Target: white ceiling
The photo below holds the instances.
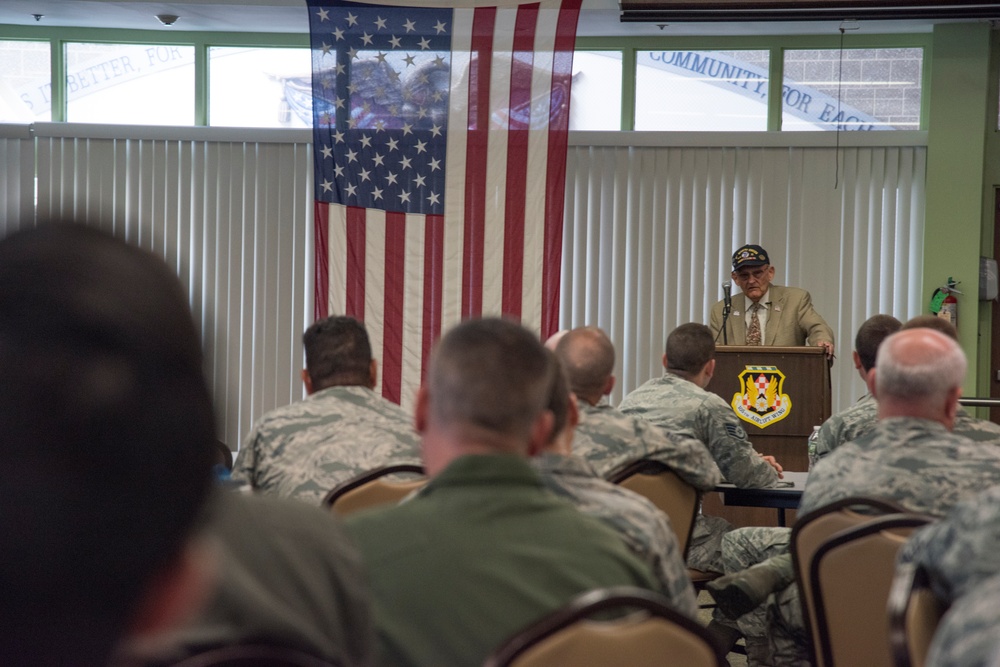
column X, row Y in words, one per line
column 600, row 17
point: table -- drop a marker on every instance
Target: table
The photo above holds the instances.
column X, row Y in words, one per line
column 782, row 497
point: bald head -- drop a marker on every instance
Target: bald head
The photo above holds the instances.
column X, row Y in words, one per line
column 588, row 357
column 919, row 373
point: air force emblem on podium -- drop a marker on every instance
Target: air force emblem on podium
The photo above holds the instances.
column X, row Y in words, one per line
column 760, row 400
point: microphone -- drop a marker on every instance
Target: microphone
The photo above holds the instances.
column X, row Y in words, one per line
column 727, row 295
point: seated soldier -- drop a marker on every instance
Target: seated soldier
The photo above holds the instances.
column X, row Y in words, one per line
column 342, row 429
column 483, row 549
column 645, row 529
column 911, row 457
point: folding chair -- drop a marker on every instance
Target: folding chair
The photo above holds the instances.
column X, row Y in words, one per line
column 914, row 614
column 850, row 576
column 651, row 634
column 675, row 498
column 812, row 529
column 370, row 489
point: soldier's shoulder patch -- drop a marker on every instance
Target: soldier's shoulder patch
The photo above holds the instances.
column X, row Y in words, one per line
column 736, row 431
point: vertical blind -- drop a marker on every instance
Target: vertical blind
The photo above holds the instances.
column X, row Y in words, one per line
column 230, row 211
column 650, row 230
column 648, row 235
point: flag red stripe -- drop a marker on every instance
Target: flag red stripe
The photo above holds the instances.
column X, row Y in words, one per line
column 355, row 297
column 555, row 187
column 321, row 257
column 521, row 70
column 433, row 273
column 483, row 23
column 392, row 325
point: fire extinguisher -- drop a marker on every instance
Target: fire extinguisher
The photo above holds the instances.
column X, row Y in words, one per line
column 944, row 303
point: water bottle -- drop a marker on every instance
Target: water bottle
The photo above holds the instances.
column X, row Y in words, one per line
column 813, row 439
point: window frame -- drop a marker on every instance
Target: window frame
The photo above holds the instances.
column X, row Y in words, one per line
column 628, row 46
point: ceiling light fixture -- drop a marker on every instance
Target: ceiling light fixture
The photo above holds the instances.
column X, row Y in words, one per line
column 167, row 19
column 38, row 17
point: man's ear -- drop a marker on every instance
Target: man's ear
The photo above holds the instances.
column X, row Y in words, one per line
column 870, row 381
column 709, row 369
column 572, row 413
column 372, row 374
column 951, row 408
column 857, row 361
column 665, row 360
column 307, row 381
column 420, row 410
column 541, row 432
column 610, row 384
column 178, row 591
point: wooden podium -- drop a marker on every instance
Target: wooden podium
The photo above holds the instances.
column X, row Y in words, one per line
column 779, row 393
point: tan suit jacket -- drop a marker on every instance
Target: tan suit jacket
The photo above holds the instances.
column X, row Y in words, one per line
column 791, row 320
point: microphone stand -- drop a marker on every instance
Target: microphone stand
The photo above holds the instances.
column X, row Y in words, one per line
column 727, row 306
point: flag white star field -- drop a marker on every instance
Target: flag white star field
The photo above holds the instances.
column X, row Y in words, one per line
column 440, row 163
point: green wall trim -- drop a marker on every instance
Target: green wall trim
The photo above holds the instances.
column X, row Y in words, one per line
column 957, row 122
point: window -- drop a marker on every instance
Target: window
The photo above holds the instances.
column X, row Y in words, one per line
column 260, row 87
column 25, row 82
column 701, row 90
column 130, row 83
column 597, row 91
column 866, row 89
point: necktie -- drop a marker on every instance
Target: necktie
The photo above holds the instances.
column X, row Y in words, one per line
column 753, row 333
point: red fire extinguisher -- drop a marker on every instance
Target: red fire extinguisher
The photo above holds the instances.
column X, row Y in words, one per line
column 944, row 303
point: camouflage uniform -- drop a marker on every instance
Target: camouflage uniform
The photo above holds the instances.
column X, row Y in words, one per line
column 969, row 633
column 608, row 439
column 857, row 420
column 915, row 462
column 961, row 555
column 847, row 425
column 304, row 449
column 679, row 406
column 644, row 528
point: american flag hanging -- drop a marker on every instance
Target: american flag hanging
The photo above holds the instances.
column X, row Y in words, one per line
column 440, row 162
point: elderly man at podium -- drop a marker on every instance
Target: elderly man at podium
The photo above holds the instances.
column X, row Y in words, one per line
column 767, row 314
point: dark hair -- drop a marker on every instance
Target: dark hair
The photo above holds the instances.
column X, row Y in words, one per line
column 492, row 374
column 108, row 438
column 689, row 347
column 588, row 357
column 871, row 334
column 932, row 322
column 337, row 352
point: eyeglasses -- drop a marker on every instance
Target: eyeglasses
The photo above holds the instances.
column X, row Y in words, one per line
column 756, row 274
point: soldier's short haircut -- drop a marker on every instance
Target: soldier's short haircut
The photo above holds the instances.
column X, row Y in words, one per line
column 588, row 357
column 932, row 322
column 491, row 374
column 919, row 364
column 689, row 347
column 559, row 398
column 108, row 438
column 871, row 334
column 338, row 352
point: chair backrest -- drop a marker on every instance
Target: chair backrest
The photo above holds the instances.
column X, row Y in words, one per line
column 662, row 486
column 253, row 655
column 851, row 574
column 914, row 614
column 651, row 634
column 814, row 528
column 370, row 489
